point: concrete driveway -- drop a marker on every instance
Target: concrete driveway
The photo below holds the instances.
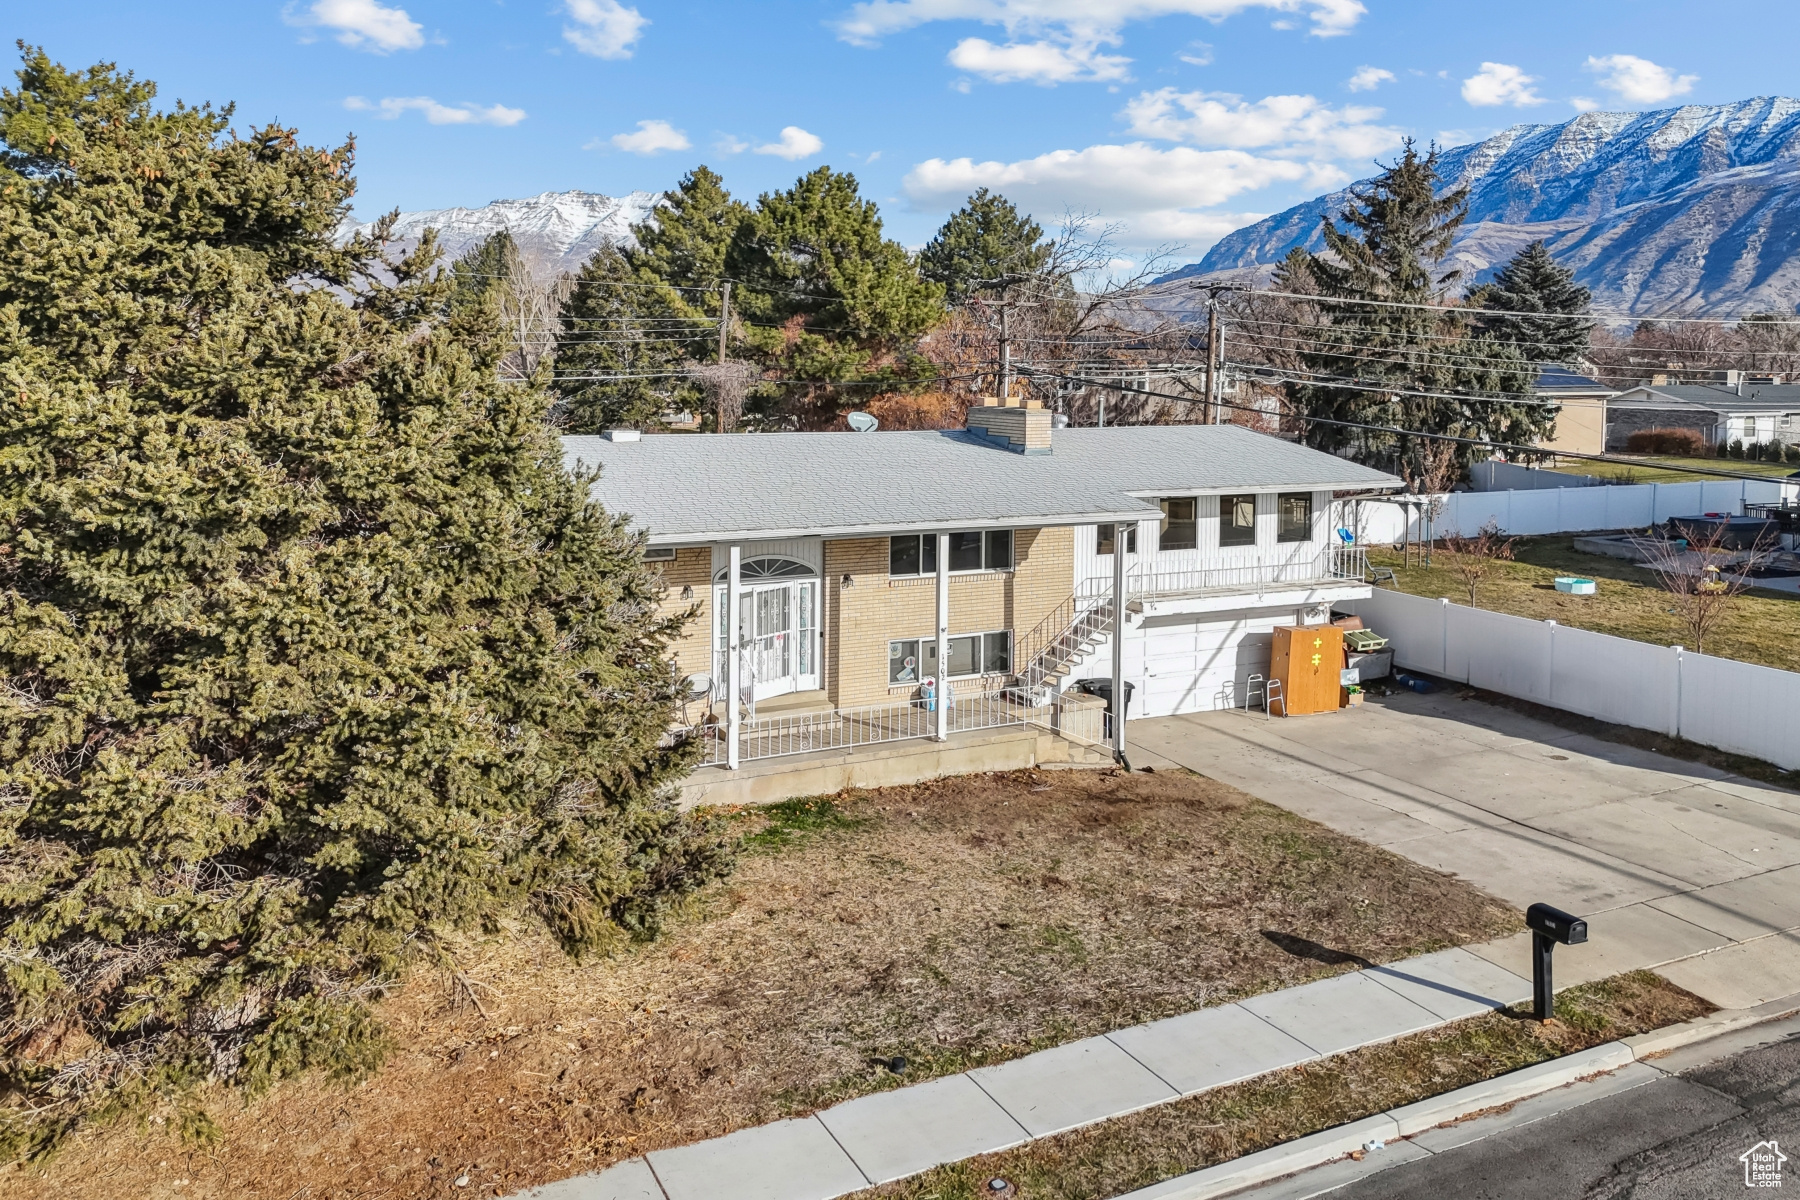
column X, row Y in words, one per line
column 1677, row 866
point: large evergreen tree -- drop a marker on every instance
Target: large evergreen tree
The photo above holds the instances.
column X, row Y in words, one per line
column 1545, row 295
column 1384, row 351
column 826, row 298
column 636, row 314
column 984, row 240
column 309, row 651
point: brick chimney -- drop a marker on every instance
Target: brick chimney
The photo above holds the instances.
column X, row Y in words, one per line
column 1020, row 426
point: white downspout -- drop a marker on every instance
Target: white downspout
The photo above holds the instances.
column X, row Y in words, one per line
column 943, row 637
column 1121, row 538
column 734, row 657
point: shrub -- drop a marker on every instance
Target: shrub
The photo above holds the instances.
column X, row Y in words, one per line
column 1736, row 449
column 310, row 652
column 1684, row 442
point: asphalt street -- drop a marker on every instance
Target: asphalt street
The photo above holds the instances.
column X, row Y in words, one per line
column 1677, row 1138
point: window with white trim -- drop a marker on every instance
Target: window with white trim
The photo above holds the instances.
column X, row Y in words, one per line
column 1105, row 536
column 1180, row 530
column 970, row 550
column 913, row 659
column 1295, row 522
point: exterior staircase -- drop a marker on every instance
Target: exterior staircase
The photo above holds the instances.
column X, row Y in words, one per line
column 1051, row 650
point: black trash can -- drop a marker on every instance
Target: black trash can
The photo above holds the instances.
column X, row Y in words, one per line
column 1103, row 689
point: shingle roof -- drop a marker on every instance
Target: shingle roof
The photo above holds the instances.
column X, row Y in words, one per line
column 1757, row 397
column 701, row 487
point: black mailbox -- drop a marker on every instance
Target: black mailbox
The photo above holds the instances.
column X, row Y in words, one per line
column 1556, row 924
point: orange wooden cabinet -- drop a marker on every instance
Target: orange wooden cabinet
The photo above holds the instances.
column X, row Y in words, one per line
column 1307, row 660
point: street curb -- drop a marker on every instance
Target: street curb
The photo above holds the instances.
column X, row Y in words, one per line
column 1273, row 1163
column 1330, row 1145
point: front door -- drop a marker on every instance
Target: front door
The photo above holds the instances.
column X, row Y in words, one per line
column 779, row 624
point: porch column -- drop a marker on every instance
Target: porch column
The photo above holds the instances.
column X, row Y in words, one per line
column 1121, row 538
column 734, row 658
column 943, row 637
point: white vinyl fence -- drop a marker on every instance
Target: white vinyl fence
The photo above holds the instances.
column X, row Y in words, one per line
column 1535, row 511
column 1715, row 701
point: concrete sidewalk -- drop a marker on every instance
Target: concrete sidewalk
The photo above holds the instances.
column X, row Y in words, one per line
column 1671, row 862
column 891, row 1135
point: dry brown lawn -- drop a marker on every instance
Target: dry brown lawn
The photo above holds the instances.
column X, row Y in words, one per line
column 955, row 923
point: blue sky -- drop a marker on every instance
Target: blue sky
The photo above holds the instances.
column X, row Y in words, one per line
column 1177, row 119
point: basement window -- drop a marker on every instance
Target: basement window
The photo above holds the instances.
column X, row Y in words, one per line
column 913, row 659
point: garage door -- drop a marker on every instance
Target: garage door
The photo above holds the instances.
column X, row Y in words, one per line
column 1196, row 663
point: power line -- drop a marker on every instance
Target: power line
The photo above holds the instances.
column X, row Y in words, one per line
column 1441, row 437
column 1763, row 318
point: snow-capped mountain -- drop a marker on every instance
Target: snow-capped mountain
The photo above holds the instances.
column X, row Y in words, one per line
column 1692, row 209
column 556, row 231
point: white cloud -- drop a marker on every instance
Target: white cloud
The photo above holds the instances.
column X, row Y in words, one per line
column 391, row 107
column 1077, row 22
column 363, row 24
column 1199, row 53
column 1583, row 104
column 1367, row 79
column 1041, row 62
column 651, row 137
column 1297, row 126
column 603, row 28
column 1156, row 193
column 728, row 144
column 1638, row 80
column 1498, row 83
column 795, row 143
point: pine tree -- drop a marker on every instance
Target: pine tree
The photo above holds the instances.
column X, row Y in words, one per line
column 309, row 650
column 986, row 239
column 682, row 244
column 1408, row 364
column 622, row 348
column 1534, row 283
column 827, row 298
column 637, row 314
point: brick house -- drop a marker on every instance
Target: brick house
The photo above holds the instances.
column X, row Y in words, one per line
column 1716, row 413
column 862, row 562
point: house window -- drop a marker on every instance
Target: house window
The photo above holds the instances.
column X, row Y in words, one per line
column 659, row 554
column 1237, row 520
column 1296, row 517
column 913, row 659
column 1104, row 536
column 1180, row 531
column 970, row 550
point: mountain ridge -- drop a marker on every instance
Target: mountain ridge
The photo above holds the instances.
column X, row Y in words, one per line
column 555, row 231
column 1693, row 209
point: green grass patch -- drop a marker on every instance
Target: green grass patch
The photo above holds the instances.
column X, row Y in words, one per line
column 792, row 821
column 1670, row 469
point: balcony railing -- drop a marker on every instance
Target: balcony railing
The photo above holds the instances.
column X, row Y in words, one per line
column 1145, row 581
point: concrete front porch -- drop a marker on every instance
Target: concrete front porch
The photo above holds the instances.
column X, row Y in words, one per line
column 888, row 764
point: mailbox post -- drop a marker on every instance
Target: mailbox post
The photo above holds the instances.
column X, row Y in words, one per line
column 1548, row 927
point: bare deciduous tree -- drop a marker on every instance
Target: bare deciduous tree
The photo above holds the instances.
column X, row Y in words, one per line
column 1473, row 558
column 1703, row 577
column 726, row 383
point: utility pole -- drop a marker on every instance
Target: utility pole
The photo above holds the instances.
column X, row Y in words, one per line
column 1215, row 356
column 724, row 317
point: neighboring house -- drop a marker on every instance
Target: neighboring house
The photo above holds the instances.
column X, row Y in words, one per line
column 845, row 544
column 1747, row 412
column 1581, row 419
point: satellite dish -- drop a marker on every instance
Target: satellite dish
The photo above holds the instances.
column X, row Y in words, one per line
column 863, row 423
